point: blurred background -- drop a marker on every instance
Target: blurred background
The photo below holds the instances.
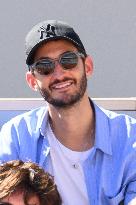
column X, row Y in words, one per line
column 107, row 28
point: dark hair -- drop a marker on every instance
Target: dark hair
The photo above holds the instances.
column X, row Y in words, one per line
column 31, row 179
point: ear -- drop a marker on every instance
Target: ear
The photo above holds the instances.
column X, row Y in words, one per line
column 31, row 80
column 88, row 66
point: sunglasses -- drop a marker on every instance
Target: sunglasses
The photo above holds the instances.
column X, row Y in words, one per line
column 46, row 66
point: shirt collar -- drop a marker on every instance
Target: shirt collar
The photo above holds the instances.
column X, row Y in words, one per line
column 102, row 130
column 42, row 117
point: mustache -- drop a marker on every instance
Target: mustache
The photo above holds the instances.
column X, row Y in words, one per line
column 61, row 81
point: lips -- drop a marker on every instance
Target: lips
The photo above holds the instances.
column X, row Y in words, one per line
column 62, row 85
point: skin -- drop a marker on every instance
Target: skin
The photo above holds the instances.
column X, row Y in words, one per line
column 72, row 125
column 17, row 198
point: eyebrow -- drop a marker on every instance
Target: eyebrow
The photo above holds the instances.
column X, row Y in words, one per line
column 43, row 57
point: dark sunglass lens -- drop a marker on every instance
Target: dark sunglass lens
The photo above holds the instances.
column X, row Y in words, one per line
column 44, row 67
column 69, row 60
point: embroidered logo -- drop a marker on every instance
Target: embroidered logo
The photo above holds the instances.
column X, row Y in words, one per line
column 48, row 31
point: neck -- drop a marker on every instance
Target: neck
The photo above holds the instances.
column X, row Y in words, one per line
column 74, row 126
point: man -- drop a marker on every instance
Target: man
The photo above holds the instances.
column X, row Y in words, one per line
column 91, row 152
column 25, row 183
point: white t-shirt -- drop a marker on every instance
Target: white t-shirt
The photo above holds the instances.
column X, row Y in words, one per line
column 65, row 166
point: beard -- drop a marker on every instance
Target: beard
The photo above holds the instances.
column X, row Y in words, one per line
column 69, row 99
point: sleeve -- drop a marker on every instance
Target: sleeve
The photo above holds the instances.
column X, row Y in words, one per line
column 9, row 144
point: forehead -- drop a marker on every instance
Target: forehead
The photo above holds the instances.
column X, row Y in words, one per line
column 54, row 48
column 17, row 198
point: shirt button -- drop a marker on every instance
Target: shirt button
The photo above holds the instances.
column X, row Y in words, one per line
column 75, row 166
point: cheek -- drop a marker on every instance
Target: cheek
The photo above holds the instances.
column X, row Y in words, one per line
column 82, row 72
column 42, row 83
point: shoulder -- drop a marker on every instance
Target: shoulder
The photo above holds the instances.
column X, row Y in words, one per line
column 29, row 118
column 115, row 119
column 123, row 123
column 120, row 128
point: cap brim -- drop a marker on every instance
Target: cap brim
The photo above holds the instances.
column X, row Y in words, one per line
column 30, row 57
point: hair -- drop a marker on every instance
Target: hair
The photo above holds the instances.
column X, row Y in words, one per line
column 28, row 177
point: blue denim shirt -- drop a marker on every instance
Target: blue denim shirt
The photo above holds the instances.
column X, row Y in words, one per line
column 110, row 170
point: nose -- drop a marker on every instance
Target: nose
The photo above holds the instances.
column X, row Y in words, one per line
column 59, row 72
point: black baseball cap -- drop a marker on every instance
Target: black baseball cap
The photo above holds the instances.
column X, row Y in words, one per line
column 50, row 30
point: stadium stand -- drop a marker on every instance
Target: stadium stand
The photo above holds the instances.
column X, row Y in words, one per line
column 10, row 107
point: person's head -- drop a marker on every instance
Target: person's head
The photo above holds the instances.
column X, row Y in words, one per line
column 25, row 183
column 58, row 63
